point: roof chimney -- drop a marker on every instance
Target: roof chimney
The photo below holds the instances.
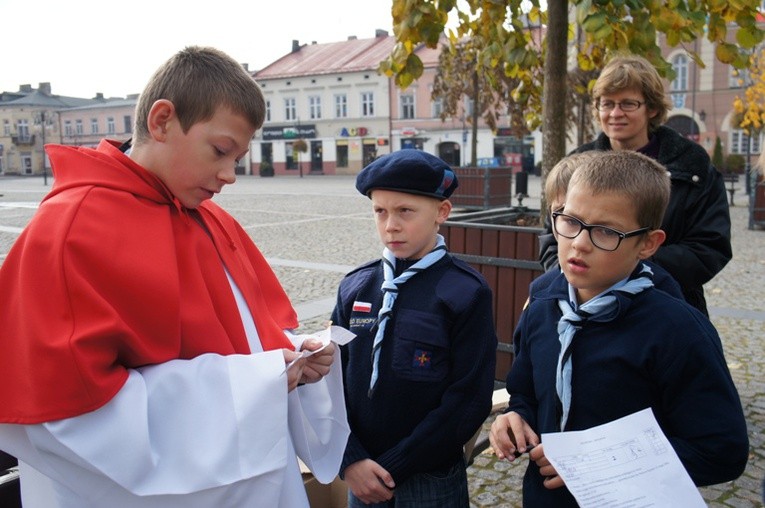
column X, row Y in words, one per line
column 44, row 88
column 99, row 96
column 381, row 33
column 25, row 88
column 246, row 67
column 295, row 45
column 352, row 37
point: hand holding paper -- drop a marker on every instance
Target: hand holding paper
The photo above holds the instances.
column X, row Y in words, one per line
column 320, row 345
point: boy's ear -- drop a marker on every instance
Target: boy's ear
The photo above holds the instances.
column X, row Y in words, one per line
column 162, row 112
column 444, row 209
column 651, row 243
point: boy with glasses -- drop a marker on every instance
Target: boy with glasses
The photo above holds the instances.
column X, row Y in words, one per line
column 556, row 186
column 600, row 343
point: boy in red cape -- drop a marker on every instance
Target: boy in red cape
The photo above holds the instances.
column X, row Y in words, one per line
column 145, row 337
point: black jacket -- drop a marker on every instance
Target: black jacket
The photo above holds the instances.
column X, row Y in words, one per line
column 697, row 220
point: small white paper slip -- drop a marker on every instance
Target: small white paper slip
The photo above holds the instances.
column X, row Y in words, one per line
column 336, row 334
column 626, row 462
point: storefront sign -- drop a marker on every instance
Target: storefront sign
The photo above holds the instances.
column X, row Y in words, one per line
column 291, row 132
column 352, row 132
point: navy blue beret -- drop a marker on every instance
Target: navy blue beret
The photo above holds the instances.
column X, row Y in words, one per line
column 410, row 170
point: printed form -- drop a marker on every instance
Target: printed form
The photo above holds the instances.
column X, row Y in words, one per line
column 625, row 463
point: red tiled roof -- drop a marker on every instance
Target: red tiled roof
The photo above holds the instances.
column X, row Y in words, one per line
column 348, row 56
column 353, row 55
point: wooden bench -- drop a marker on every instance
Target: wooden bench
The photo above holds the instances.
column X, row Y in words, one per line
column 731, row 179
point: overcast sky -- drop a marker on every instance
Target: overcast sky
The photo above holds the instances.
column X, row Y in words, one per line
column 87, row 46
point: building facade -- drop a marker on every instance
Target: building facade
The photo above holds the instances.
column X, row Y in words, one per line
column 330, row 112
column 87, row 125
column 330, row 97
column 347, row 114
column 33, row 117
column 702, row 100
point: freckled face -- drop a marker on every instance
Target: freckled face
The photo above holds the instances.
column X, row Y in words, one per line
column 407, row 223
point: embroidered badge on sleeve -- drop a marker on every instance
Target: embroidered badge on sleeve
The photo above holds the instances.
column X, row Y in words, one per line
column 421, row 359
column 362, row 306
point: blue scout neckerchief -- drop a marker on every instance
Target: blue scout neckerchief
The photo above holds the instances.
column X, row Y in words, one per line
column 602, row 308
column 390, row 287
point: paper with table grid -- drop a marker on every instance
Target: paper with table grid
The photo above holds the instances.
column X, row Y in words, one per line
column 627, row 462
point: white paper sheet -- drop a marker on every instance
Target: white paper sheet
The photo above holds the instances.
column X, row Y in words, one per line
column 625, row 463
column 332, row 333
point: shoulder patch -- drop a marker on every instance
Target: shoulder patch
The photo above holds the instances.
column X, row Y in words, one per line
column 365, row 266
column 466, row 268
column 358, row 278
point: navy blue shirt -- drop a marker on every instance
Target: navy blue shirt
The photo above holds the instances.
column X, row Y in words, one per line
column 658, row 352
column 436, row 367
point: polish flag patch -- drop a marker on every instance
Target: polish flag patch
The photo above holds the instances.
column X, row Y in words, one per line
column 362, row 306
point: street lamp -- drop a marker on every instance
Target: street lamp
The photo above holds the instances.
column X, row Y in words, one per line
column 463, row 147
column 40, row 117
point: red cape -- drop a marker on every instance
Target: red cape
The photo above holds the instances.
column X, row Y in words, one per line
column 111, row 274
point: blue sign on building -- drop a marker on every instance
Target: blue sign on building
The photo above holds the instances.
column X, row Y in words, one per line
column 488, row 162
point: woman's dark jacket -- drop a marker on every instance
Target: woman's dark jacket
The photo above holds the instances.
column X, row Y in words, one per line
column 697, row 220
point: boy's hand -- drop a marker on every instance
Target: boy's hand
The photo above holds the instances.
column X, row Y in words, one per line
column 510, row 436
column 369, row 481
column 295, row 371
column 317, row 366
column 552, row 480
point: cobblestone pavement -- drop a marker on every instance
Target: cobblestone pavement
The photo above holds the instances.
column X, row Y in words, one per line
column 314, row 229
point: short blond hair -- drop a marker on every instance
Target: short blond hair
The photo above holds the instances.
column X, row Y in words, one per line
column 198, row 80
column 632, row 72
column 556, row 182
column 642, row 180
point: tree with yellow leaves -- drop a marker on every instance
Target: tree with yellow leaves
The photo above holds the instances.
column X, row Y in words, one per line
column 750, row 109
column 503, row 30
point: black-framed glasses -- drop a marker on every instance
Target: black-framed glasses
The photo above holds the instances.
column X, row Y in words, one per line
column 602, row 237
column 627, row 105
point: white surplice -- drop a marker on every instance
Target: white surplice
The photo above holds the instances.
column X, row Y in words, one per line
column 213, row 431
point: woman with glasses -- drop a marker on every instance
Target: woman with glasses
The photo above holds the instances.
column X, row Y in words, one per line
column 631, row 105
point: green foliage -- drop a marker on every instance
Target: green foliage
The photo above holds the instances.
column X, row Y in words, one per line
column 299, row 145
column 735, row 163
column 717, row 154
column 266, row 169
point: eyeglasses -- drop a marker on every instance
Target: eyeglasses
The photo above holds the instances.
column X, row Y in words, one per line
column 602, row 237
column 627, row 105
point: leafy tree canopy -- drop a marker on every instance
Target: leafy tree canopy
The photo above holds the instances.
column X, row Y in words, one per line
column 508, row 35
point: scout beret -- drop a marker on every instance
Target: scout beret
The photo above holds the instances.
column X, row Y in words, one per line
column 410, row 170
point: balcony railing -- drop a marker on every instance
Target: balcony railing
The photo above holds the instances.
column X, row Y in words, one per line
column 23, row 139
